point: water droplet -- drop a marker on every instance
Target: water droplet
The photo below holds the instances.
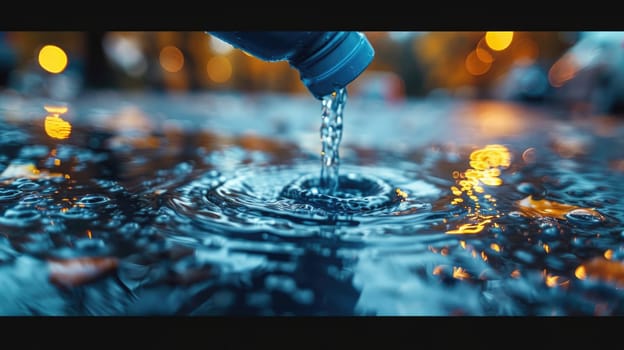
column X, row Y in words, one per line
column 584, row 216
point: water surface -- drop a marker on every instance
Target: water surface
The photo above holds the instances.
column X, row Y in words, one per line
column 205, row 205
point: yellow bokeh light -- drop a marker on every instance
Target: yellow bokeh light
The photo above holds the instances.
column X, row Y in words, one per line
column 53, row 59
column 219, row 69
column 171, row 59
column 498, row 41
column 484, row 55
column 476, row 66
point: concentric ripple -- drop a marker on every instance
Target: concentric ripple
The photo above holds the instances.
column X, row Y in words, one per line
column 356, row 194
column 296, row 191
column 282, row 197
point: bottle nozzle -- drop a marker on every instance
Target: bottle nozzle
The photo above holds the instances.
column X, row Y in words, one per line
column 340, row 61
column 326, row 61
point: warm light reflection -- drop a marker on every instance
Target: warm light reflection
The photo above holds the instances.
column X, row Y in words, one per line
column 498, row 41
column 219, row 69
column 543, row 207
column 486, row 164
column 601, row 269
column 551, row 280
column 580, row 272
column 73, row 272
column 470, row 228
column 608, row 254
column 55, row 126
column 171, row 59
column 52, row 58
column 459, row 273
column 28, row 170
column 401, row 194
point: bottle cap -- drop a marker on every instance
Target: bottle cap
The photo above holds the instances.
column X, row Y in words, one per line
column 342, row 59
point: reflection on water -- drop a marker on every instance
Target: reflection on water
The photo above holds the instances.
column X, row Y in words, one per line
column 205, row 205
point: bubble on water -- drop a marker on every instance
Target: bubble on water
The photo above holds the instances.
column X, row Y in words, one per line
column 28, row 186
column 92, row 200
column 78, row 213
column 548, row 226
column 515, row 214
column 20, row 217
column 33, row 199
column 584, row 216
column 7, row 194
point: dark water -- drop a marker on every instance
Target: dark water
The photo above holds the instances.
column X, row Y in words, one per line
column 206, row 205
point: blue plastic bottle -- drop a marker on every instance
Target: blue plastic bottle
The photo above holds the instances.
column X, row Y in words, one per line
column 326, row 61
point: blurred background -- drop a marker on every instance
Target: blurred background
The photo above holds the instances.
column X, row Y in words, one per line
column 582, row 71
